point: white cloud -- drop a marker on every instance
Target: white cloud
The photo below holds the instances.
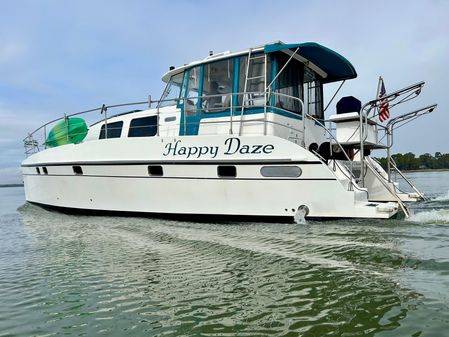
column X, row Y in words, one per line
column 63, row 57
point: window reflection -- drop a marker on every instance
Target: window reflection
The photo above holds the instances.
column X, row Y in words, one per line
column 172, row 91
column 255, row 85
column 290, row 83
column 192, row 94
column 217, row 86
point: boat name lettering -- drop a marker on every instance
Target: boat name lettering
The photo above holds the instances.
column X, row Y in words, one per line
column 190, row 151
column 234, row 145
column 231, row 146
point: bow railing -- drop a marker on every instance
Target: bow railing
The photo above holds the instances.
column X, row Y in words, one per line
column 234, row 104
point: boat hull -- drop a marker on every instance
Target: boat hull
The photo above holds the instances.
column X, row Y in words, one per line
column 195, row 186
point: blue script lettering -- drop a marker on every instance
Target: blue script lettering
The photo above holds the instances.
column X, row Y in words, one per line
column 233, row 145
column 175, row 149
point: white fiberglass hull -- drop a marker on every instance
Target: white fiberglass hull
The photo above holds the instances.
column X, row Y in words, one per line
column 115, row 177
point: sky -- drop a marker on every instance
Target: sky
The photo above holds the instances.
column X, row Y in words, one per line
column 60, row 57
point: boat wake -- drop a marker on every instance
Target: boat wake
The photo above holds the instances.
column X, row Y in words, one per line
column 300, row 216
column 442, row 197
column 434, row 216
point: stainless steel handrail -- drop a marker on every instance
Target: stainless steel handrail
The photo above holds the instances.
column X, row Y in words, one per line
column 367, row 108
column 328, row 131
column 393, row 163
column 29, row 140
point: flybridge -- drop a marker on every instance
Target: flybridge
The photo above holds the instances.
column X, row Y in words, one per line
column 284, row 79
column 329, row 64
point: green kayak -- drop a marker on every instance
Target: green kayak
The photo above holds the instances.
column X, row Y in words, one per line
column 75, row 127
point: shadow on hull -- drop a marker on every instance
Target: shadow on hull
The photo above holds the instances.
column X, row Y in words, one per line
column 202, row 218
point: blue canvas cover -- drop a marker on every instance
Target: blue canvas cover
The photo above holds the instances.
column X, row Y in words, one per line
column 336, row 66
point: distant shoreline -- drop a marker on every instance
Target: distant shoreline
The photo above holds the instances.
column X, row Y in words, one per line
column 425, row 170
column 11, row 185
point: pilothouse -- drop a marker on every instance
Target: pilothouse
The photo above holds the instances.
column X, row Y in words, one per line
column 237, row 133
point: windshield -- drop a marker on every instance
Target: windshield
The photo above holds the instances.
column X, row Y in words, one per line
column 172, row 91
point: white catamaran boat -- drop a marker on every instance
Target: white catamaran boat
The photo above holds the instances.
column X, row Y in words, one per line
column 238, row 133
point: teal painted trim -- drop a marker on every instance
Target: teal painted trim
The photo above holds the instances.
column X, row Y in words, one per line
column 187, row 79
column 335, row 65
column 274, row 71
column 285, row 113
column 236, row 83
column 179, row 105
column 193, row 121
column 225, row 113
column 186, row 89
column 253, row 111
column 200, row 89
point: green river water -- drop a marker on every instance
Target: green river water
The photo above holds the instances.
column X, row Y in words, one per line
column 67, row 275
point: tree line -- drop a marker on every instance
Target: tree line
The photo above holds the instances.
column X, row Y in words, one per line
column 426, row 161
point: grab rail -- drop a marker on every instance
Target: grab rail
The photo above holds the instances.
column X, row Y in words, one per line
column 411, row 92
column 247, row 102
column 393, row 163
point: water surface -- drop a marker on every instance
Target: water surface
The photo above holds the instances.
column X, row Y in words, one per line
column 127, row 276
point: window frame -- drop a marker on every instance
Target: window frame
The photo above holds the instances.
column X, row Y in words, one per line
column 224, row 110
column 176, row 101
column 103, row 133
column 153, row 127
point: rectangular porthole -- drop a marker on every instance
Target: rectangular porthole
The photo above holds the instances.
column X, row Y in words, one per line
column 38, row 171
column 155, row 171
column 281, row 171
column 44, row 169
column 77, row 169
column 227, row 171
column 170, row 119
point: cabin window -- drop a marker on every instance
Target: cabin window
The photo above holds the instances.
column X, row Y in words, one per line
column 114, row 130
column 192, row 91
column 172, row 91
column 143, row 127
column 77, row 169
column 281, row 171
column 38, row 171
column 217, row 86
column 227, row 171
column 255, row 86
column 44, row 169
column 314, row 97
column 155, row 170
column 289, row 84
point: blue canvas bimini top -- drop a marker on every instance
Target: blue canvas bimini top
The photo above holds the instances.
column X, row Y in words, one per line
column 333, row 64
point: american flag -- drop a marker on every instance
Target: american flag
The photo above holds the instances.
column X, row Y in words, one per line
column 384, row 108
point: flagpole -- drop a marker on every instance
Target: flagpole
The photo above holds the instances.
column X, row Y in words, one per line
column 377, row 93
column 387, row 131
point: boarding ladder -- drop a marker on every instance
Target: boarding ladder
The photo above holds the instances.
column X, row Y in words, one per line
column 250, row 97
